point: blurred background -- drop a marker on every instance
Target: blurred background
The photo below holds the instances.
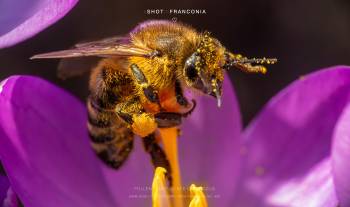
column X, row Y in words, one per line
column 304, row 35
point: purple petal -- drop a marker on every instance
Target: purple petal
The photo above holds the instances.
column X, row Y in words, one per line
column 209, row 147
column 131, row 185
column 128, row 185
column 11, row 199
column 50, row 159
column 4, row 186
column 341, row 158
column 45, row 149
column 20, row 20
column 292, row 134
column 315, row 188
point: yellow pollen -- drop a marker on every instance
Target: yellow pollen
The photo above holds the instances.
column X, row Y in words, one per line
column 160, row 196
column 198, row 197
column 263, row 70
column 143, row 125
column 160, row 191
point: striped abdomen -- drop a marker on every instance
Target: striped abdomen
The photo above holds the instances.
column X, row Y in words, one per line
column 111, row 138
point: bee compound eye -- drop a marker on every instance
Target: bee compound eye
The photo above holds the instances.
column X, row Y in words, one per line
column 191, row 72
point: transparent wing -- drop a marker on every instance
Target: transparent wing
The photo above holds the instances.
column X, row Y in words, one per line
column 74, row 67
column 105, row 41
column 109, row 47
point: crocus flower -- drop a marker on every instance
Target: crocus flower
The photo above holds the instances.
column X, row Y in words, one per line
column 294, row 153
column 4, row 186
column 20, row 20
column 7, row 197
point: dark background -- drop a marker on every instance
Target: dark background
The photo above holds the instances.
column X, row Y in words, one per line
column 304, row 36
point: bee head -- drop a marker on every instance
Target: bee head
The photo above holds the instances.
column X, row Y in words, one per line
column 203, row 70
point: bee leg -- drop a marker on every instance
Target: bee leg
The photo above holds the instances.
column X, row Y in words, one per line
column 172, row 119
column 163, row 119
column 180, row 98
column 194, row 104
column 133, row 114
column 168, row 119
column 158, row 156
column 149, row 92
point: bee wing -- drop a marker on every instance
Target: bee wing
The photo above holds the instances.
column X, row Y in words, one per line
column 105, row 41
column 74, row 67
column 109, row 47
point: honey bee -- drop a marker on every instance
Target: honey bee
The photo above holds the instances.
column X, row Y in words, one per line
column 138, row 85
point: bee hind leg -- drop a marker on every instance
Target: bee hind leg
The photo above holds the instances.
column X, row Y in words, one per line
column 158, row 156
column 133, row 114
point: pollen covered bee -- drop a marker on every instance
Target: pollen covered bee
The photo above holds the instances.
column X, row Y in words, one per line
column 138, row 85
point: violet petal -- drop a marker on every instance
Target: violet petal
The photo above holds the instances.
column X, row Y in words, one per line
column 314, row 189
column 45, row 149
column 341, row 158
column 4, row 186
column 292, row 134
column 209, row 146
column 20, row 20
column 127, row 185
column 57, row 127
column 131, row 184
column 11, row 199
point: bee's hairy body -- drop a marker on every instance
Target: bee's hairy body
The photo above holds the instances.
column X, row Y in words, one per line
column 113, row 87
column 138, row 85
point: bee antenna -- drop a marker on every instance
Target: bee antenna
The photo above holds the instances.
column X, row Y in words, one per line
column 245, row 64
column 264, row 60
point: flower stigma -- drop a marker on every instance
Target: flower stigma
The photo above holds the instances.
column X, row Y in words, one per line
column 198, row 197
column 162, row 195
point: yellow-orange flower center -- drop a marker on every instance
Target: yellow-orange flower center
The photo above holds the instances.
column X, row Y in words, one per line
column 162, row 196
column 198, row 197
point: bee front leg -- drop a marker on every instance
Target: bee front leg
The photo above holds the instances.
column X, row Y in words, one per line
column 168, row 119
column 182, row 100
column 148, row 90
column 172, row 119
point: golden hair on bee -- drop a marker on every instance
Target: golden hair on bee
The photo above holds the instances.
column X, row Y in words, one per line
column 138, row 86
